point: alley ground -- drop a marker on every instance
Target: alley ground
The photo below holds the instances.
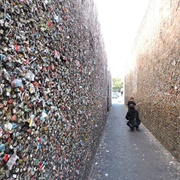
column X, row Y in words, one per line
column 127, row 155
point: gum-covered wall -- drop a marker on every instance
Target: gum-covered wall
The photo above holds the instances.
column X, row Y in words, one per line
column 155, row 78
column 53, row 88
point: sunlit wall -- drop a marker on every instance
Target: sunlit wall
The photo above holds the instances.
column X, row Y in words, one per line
column 53, row 88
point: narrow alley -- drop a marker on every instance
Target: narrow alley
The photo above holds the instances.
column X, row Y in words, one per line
column 56, row 81
column 127, row 155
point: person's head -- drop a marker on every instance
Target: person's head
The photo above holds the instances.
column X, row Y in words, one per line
column 132, row 98
column 131, row 107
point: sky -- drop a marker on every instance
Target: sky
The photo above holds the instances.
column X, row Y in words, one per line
column 120, row 21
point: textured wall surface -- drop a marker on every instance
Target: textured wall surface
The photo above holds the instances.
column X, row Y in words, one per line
column 53, row 88
column 155, row 77
column 109, row 97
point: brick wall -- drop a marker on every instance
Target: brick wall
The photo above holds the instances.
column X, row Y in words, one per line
column 53, row 88
column 155, row 78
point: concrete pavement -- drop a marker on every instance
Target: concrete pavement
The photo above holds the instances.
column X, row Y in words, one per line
column 127, row 155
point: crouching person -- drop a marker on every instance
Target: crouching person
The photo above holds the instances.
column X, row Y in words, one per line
column 133, row 118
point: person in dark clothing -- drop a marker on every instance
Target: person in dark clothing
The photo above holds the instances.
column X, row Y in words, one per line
column 133, row 118
column 131, row 101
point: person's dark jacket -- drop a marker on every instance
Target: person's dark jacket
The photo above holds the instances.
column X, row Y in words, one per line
column 131, row 102
column 131, row 115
